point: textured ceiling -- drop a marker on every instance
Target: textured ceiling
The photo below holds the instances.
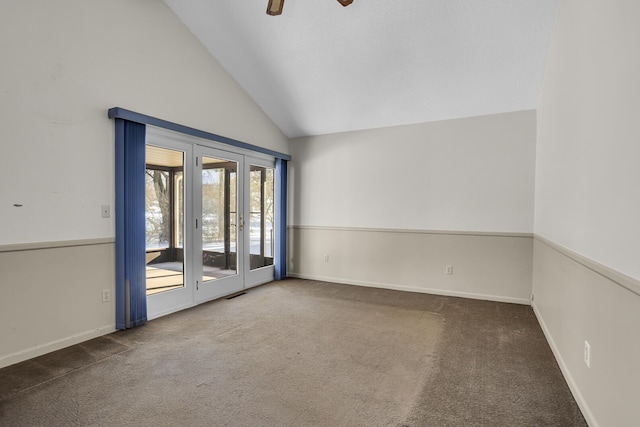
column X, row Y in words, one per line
column 322, row 68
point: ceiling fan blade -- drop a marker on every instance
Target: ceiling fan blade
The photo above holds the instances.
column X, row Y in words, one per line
column 345, row 2
column 275, row 7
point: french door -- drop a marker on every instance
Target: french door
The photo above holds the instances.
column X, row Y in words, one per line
column 209, row 222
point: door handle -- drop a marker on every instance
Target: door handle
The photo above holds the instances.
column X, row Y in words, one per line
column 241, row 222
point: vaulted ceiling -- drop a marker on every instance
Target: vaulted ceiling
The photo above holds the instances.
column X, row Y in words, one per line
column 322, row 68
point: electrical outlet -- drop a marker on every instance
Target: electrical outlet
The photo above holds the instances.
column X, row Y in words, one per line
column 106, row 295
column 326, row 257
column 587, row 354
column 106, row 211
column 449, row 270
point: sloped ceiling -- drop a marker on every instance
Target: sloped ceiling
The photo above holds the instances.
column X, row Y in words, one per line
column 322, row 68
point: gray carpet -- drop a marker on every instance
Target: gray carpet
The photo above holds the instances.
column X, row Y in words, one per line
column 304, row 353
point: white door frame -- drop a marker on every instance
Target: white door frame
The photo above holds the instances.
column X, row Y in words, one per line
column 194, row 292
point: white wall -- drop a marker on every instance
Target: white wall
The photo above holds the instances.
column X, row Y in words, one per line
column 588, row 205
column 473, row 174
column 393, row 207
column 64, row 63
column 588, row 150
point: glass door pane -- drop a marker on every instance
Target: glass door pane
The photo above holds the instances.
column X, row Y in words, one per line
column 259, row 205
column 164, row 219
column 219, row 230
column 261, row 216
column 219, row 211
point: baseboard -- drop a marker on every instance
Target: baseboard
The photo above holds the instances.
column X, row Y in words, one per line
column 39, row 350
column 575, row 391
column 496, row 298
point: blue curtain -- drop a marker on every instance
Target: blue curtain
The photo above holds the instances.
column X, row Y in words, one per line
column 131, row 298
column 281, row 220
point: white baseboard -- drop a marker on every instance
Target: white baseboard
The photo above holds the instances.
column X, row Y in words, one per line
column 39, row 350
column 582, row 404
column 444, row 292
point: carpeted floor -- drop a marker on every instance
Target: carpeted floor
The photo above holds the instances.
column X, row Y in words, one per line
column 304, row 353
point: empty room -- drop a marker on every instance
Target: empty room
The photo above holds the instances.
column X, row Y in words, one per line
column 320, row 212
